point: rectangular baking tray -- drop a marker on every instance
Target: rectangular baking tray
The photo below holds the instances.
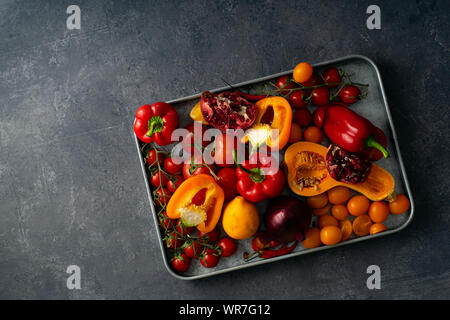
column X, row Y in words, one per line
column 375, row 107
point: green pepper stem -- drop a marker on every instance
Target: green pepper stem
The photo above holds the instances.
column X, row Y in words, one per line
column 372, row 143
column 255, row 175
column 155, row 124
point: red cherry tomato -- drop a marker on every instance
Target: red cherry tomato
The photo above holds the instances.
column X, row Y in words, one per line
column 181, row 262
column 192, row 249
column 228, row 246
column 209, row 258
column 182, row 229
column 171, row 167
column 158, row 179
column 319, row 116
column 212, row 236
column 173, row 240
column 349, row 94
column 332, row 77
column 282, row 84
column 163, row 195
column 303, row 117
column 227, row 181
column 320, row 96
column 165, row 222
column 313, row 81
column 172, row 185
column 199, row 168
column 151, row 157
column 296, row 99
column 188, row 141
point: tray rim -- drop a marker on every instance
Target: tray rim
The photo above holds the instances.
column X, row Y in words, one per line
column 297, row 253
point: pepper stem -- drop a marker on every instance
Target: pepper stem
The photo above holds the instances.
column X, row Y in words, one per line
column 155, row 124
column 372, row 143
column 255, row 174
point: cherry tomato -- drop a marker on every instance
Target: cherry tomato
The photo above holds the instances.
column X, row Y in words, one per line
column 158, row 179
column 338, row 195
column 227, row 181
column 303, row 117
column 165, row 222
column 212, row 236
column 330, row 235
column 151, row 157
column 316, row 202
column 313, row 134
column 173, row 240
column 282, row 83
column 327, row 220
column 172, row 185
column 192, row 248
column 296, row 133
column 302, row 72
column 187, row 141
column 162, row 195
column 209, row 258
column 349, row 94
column 400, row 205
column 319, row 116
column 313, row 81
column 200, row 168
column 339, row 211
column 296, row 99
column 171, row 167
column 377, row 227
column 358, row 205
column 182, row 229
column 378, row 211
column 320, row 96
column 333, row 77
column 228, row 246
column 181, row 262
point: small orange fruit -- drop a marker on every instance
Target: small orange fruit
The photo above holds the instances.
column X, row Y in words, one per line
column 346, row 229
column 339, row 211
column 312, row 238
column 338, row 195
column 296, row 133
column 313, row 134
column 361, row 225
column 376, row 228
column 378, row 211
column 358, row 205
column 327, row 221
column 400, row 204
column 302, row 72
column 316, row 202
column 330, row 235
column 322, row 211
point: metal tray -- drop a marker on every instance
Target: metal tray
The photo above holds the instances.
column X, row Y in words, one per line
column 374, row 107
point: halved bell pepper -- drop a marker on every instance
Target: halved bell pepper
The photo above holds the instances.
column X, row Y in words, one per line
column 197, row 202
column 274, row 113
column 196, row 114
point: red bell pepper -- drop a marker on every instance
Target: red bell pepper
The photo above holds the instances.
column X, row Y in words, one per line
column 354, row 133
column 257, row 180
column 156, row 123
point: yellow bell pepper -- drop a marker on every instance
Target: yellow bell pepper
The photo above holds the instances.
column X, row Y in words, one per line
column 196, row 114
column 274, row 113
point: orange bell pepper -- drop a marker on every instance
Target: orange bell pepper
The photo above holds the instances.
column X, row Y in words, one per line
column 274, row 113
column 197, row 202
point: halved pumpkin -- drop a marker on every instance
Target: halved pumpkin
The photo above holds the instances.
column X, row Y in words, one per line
column 308, row 176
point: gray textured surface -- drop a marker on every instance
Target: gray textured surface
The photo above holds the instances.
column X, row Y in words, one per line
column 70, row 185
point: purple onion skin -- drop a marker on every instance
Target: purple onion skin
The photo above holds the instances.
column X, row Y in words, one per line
column 287, row 218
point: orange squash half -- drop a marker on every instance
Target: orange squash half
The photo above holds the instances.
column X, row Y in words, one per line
column 308, row 176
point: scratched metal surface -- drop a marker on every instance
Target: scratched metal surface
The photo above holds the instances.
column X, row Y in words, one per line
column 374, row 107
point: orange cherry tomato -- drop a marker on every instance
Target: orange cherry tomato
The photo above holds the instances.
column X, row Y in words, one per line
column 330, row 235
column 346, row 229
column 302, row 72
column 322, row 211
column 296, row 133
column 312, row 238
column 338, row 195
column 377, row 227
column 378, row 211
column 327, row 221
column 316, row 202
column 358, row 205
column 399, row 205
column 361, row 225
column 339, row 211
column 313, row 134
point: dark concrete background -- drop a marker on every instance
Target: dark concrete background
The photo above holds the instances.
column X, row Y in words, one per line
column 71, row 190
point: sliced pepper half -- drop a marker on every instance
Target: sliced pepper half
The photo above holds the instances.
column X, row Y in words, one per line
column 197, row 202
column 274, row 113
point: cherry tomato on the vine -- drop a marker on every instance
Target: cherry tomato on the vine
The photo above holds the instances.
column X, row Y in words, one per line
column 158, row 179
column 172, row 167
column 297, row 99
column 173, row 240
column 182, row 229
column 283, row 83
column 172, row 185
column 209, row 258
column 302, row 72
column 181, row 262
column 349, row 94
column 192, row 248
column 228, row 246
column 163, row 195
column 199, row 168
column 320, row 96
column 333, row 77
column 313, row 81
column 152, row 158
column 212, row 236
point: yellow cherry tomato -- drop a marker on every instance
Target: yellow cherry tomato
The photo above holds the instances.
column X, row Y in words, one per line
column 322, row 211
column 378, row 211
column 302, row 72
column 338, row 195
column 399, row 205
column 361, row 225
column 339, row 211
column 327, row 221
column 377, row 227
column 346, row 229
column 316, row 202
column 312, row 238
column 358, row 205
column 330, row 235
